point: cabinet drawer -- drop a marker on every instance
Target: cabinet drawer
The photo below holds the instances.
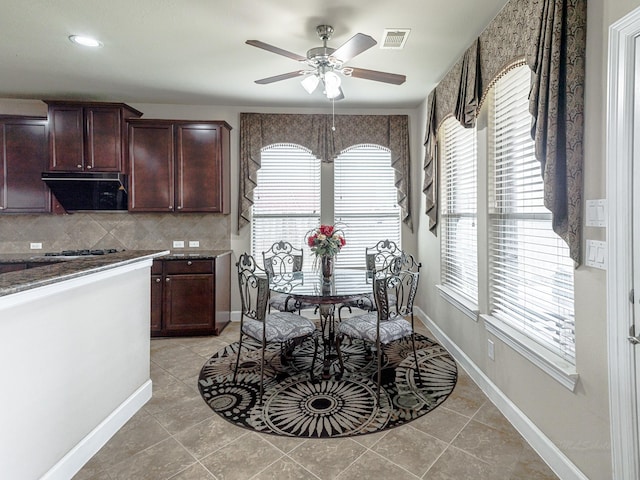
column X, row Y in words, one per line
column 173, row 267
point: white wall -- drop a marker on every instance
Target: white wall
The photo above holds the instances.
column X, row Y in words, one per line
column 74, row 364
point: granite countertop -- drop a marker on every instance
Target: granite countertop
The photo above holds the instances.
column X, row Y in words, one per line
column 64, row 269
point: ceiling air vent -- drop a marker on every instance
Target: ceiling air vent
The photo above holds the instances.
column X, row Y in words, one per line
column 394, row 38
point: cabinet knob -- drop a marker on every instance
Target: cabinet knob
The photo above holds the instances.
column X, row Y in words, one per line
column 170, row 207
column 189, row 262
column 1, row 208
column 79, row 166
column 180, row 208
column 88, row 167
column 157, row 280
column 167, row 280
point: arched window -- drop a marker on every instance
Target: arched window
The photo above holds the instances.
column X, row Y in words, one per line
column 365, row 200
column 286, row 198
column 530, row 271
column 459, row 226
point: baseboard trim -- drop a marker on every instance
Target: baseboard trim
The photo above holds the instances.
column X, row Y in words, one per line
column 76, row 458
column 548, row 451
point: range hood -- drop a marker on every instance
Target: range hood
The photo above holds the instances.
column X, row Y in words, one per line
column 88, row 191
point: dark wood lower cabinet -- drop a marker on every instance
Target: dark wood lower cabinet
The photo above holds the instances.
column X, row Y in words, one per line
column 190, row 297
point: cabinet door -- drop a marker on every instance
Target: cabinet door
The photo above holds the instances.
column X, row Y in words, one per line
column 189, row 304
column 103, row 142
column 198, row 168
column 151, row 168
column 66, row 138
column 23, row 157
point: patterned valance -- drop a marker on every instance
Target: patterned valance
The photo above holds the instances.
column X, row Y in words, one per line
column 316, row 132
column 550, row 35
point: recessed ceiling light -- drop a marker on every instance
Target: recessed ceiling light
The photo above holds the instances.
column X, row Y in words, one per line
column 85, row 41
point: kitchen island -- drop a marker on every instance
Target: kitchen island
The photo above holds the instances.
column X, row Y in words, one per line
column 74, row 359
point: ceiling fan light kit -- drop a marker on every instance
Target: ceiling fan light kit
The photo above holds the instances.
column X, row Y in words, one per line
column 327, row 63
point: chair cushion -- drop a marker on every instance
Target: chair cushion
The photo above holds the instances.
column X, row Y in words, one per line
column 278, row 301
column 279, row 327
column 364, row 327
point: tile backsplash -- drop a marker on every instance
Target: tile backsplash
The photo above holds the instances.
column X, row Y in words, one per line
column 122, row 230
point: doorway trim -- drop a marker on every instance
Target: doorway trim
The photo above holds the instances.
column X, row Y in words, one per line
column 619, row 157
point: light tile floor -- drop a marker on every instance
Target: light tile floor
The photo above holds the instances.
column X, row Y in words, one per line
column 177, row 436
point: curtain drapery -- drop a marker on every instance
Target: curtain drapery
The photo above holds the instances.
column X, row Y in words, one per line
column 551, row 36
column 430, row 169
column 315, row 132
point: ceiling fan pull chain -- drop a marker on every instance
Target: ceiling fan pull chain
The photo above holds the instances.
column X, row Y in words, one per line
column 333, row 114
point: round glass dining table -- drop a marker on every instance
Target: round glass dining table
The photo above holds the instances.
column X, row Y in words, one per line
column 309, row 287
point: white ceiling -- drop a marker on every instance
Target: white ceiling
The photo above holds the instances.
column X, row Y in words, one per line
column 193, row 51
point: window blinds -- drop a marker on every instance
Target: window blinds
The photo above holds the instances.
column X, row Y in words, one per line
column 365, row 200
column 459, row 239
column 286, row 199
column 531, row 274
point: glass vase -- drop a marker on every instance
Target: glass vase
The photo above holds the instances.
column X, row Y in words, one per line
column 326, row 265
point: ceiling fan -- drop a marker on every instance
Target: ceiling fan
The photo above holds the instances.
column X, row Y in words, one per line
column 325, row 63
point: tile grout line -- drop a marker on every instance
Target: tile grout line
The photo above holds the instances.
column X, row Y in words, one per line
column 450, row 445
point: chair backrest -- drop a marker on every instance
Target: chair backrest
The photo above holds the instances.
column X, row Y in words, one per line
column 408, row 262
column 254, row 288
column 381, row 255
column 402, row 286
column 282, row 258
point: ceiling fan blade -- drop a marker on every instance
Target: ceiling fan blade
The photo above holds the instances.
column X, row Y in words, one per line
column 277, row 78
column 354, row 46
column 378, row 76
column 279, row 51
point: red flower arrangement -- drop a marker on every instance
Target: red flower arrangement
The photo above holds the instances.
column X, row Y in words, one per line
column 326, row 240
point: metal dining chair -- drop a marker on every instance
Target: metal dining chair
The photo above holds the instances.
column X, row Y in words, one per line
column 394, row 292
column 285, row 328
column 377, row 257
column 281, row 259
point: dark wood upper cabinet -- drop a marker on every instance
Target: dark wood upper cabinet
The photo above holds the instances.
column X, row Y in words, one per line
column 23, row 157
column 86, row 136
column 151, row 168
column 180, row 166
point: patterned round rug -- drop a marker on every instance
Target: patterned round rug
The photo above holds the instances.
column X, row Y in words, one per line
column 295, row 405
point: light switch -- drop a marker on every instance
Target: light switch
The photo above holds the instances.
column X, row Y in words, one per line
column 596, row 254
column 596, row 213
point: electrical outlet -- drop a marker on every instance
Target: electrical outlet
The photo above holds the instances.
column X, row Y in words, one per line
column 194, row 243
column 178, row 244
column 491, row 350
column 35, row 246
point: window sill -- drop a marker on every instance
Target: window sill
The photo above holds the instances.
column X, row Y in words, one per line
column 467, row 307
column 549, row 362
